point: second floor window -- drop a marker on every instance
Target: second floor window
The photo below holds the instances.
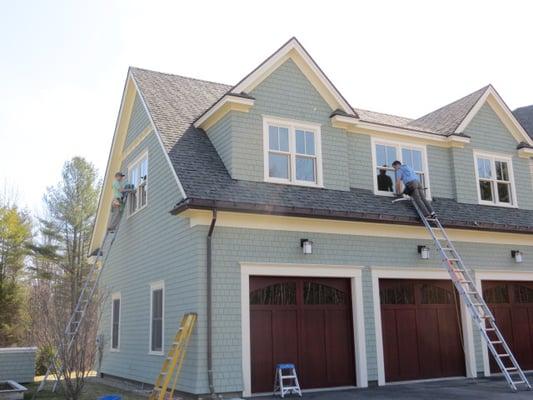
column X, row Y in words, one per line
column 292, row 153
column 385, row 153
column 495, row 180
column 137, row 176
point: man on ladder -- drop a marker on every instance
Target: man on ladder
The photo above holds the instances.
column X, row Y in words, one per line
column 413, row 187
column 120, row 192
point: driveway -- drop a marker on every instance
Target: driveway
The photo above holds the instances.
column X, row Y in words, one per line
column 456, row 389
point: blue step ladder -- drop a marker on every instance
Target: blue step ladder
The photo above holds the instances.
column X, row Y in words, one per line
column 292, row 385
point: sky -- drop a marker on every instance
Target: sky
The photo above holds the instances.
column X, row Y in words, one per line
column 63, row 64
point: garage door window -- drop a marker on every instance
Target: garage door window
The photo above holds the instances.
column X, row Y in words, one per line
column 397, row 295
column 316, row 293
column 435, row 295
column 496, row 294
column 523, row 295
column 278, row 294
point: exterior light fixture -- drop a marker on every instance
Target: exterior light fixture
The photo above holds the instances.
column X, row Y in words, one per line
column 517, row 255
column 307, row 246
column 424, row 252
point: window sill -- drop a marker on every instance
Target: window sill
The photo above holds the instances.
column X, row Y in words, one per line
column 297, row 183
column 156, row 353
column 491, row 204
column 117, row 350
column 137, row 211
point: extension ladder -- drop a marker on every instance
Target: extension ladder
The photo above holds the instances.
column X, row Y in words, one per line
column 174, row 361
column 473, row 299
column 86, row 295
column 279, row 381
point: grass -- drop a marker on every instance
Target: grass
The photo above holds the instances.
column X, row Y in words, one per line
column 91, row 391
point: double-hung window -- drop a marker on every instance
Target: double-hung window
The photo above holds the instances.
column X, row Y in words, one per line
column 157, row 305
column 115, row 321
column 137, row 176
column 385, row 153
column 292, row 152
column 495, row 183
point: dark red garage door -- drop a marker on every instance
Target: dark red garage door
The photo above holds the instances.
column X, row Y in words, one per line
column 305, row 321
column 421, row 329
column 512, row 306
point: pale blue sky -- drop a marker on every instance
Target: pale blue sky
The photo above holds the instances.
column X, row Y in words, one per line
column 63, row 63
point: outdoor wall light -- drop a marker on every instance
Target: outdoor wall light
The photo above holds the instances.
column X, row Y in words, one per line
column 307, row 246
column 517, row 255
column 424, row 252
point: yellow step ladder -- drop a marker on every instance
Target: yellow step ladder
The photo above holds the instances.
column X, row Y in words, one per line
column 174, row 361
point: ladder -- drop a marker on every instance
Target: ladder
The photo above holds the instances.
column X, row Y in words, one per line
column 174, row 360
column 84, row 299
column 473, row 299
column 279, row 381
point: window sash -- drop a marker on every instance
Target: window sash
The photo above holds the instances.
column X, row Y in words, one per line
column 138, row 176
column 494, row 183
column 156, row 323
column 115, row 321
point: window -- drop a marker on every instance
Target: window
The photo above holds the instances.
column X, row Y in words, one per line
column 494, row 180
column 137, row 176
column 277, row 294
column 498, row 294
column 157, row 304
column 292, row 152
column 385, row 153
column 316, row 293
column 115, row 321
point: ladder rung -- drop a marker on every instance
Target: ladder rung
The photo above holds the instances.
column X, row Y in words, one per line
column 496, row 342
column 288, row 376
column 518, row 382
column 490, row 330
column 503, row 355
column 511, row 369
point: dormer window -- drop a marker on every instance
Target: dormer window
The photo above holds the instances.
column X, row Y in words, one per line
column 292, row 152
column 495, row 183
column 137, row 177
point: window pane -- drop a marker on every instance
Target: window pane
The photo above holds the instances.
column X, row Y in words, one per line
column 504, row 195
column 273, row 142
column 116, row 311
column 283, row 139
column 417, row 160
column 435, row 295
column 134, row 175
column 278, row 166
column 300, row 142
column 381, row 154
column 484, row 168
column 310, row 143
column 502, row 172
column 144, row 168
column 157, row 319
column 485, row 188
column 385, row 180
column 316, row 293
column 407, row 157
column 391, row 155
column 116, row 319
column 523, row 294
column 305, row 169
column 277, row 294
column 401, row 294
column 496, row 295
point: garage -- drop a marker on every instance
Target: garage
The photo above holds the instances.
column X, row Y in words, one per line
column 421, row 329
column 305, row 321
column 511, row 303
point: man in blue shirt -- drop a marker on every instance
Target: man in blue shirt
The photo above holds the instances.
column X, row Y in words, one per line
column 413, row 187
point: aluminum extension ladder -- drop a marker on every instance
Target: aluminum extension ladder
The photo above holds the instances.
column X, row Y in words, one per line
column 473, row 299
column 174, row 360
column 86, row 295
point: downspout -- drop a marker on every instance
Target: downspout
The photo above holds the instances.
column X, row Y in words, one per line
column 209, row 304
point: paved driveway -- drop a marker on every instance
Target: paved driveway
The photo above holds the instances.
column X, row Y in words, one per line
column 457, row 389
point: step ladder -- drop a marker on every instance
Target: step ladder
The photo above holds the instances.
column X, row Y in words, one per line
column 280, row 387
column 84, row 299
column 473, row 299
column 174, row 360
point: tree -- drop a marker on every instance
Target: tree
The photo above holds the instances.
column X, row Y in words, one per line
column 15, row 235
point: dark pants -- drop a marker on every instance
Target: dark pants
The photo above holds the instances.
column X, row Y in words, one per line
column 416, row 191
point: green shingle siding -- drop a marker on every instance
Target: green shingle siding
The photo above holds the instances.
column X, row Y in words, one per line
column 221, row 136
column 139, row 120
column 17, row 364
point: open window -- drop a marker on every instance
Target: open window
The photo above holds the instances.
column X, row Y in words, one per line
column 495, row 181
column 384, row 153
column 137, row 177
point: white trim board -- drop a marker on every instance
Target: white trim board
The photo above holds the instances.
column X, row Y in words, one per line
column 495, row 275
column 301, row 270
column 493, row 157
column 417, row 273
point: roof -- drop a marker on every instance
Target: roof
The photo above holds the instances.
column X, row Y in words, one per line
column 447, row 119
column 524, row 115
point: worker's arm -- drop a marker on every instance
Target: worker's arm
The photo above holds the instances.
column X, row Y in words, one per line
column 399, row 186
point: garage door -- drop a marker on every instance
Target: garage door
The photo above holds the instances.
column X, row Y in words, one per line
column 305, row 321
column 421, row 329
column 512, row 306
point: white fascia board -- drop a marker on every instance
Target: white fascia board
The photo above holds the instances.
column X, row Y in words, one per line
column 292, row 45
column 226, row 99
column 504, row 108
column 525, row 152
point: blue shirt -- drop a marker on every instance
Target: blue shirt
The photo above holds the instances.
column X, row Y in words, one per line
column 406, row 174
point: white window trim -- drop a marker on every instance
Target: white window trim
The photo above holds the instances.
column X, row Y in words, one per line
column 417, row 273
column 398, row 143
column 156, row 286
column 116, row 296
column 496, row 157
column 292, row 125
column 137, row 160
column 305, row 270
column 496, row 275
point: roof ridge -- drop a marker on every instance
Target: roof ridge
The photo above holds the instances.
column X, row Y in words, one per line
column 132, row 68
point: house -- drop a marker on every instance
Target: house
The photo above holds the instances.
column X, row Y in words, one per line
column 240, row 178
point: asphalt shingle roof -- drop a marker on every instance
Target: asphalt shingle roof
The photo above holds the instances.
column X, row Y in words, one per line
column 175, row 102
column 524, row 115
